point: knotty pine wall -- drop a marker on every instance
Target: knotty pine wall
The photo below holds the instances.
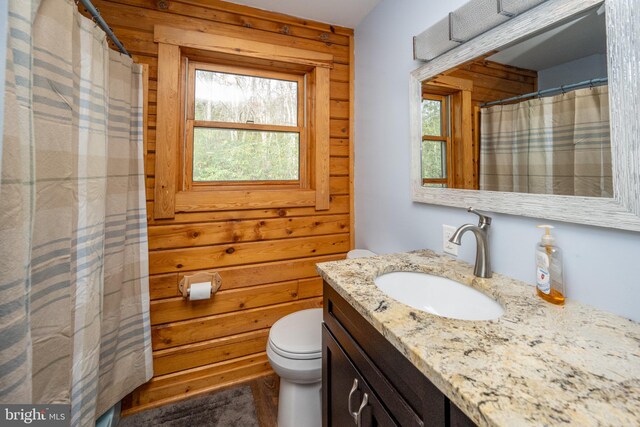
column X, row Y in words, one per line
column 493, row 81
column 266, row 257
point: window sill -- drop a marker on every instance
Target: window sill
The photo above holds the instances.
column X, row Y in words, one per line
column 224, row 200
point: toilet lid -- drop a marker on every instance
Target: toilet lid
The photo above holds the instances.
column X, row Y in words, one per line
column 298, row 335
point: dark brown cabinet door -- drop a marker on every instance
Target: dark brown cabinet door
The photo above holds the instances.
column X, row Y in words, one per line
column 347, row 399
column 457, row 418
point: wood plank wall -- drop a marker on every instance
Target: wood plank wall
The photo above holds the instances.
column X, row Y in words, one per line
column 493, row 81
column 266, row 257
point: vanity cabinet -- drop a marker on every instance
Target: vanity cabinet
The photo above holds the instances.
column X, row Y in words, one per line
column 367, row 382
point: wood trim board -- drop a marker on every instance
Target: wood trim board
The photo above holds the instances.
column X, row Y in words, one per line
column 243, row 47
column 322, row 138
column 168, row 130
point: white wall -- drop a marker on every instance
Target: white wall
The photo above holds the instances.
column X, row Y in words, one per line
column 602, row 266
column 578, row 70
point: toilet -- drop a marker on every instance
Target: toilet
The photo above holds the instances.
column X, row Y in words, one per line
column 294, row 350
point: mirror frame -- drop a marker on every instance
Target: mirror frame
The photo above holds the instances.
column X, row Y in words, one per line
column 623, row 210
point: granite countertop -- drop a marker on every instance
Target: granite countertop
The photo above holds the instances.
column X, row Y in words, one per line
column 538, row 364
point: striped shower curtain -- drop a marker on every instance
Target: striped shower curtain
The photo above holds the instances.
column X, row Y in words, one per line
column 74, row 303
column 554, row 145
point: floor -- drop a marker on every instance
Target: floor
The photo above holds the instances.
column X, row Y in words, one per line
column 230, row 407
column 265, row 394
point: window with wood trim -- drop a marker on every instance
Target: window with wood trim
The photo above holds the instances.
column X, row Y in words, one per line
column 436, row 142
column 244, row 128
column 200, row 176
column 449, row 131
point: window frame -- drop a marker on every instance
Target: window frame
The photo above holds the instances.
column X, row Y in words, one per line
column 445, row 127
column 169, row 196
column 190, row 123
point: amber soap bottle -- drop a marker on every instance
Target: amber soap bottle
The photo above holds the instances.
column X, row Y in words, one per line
column 549, row 276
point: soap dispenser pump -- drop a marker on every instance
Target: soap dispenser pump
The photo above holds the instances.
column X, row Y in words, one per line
column 549, row 277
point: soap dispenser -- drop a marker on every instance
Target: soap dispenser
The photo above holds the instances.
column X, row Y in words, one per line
column 549, row 278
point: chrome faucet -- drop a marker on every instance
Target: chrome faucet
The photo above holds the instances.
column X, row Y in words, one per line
column 483, row 259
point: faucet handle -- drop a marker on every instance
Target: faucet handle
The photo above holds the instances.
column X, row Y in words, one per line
column 484, row 219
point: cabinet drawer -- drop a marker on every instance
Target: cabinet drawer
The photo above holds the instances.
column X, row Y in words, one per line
column 346, row 393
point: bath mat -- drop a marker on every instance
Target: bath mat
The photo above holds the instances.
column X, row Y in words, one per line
column 227, row 408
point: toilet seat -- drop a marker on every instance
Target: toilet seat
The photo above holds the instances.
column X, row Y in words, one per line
column 298, row 335
column 296, row 356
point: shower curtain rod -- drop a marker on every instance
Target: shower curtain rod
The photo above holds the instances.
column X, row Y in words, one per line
column 98, row 19
column 563, row 88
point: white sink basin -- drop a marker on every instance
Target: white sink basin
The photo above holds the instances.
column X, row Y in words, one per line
column 438, row 295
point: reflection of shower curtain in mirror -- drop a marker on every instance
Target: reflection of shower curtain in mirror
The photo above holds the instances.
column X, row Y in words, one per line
column 553, row 145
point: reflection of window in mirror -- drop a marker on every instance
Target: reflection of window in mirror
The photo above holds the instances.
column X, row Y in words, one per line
column 449, row 156
column 435, row 140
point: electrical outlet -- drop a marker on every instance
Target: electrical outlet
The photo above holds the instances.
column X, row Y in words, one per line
column 447, row 246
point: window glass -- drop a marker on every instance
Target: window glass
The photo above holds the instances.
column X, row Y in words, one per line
column 434, row 159
column 244, row 155
column 432, row 117
column 235, row 98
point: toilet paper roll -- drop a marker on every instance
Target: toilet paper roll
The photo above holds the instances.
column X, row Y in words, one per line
column 199, row 291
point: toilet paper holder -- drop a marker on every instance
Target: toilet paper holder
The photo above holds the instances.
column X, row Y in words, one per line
column 202, row 276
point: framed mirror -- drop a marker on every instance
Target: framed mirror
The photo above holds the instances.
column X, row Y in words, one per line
column 537, row 117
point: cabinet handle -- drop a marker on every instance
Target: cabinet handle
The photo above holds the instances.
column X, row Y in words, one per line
column 365, row 400
column 353, row 389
